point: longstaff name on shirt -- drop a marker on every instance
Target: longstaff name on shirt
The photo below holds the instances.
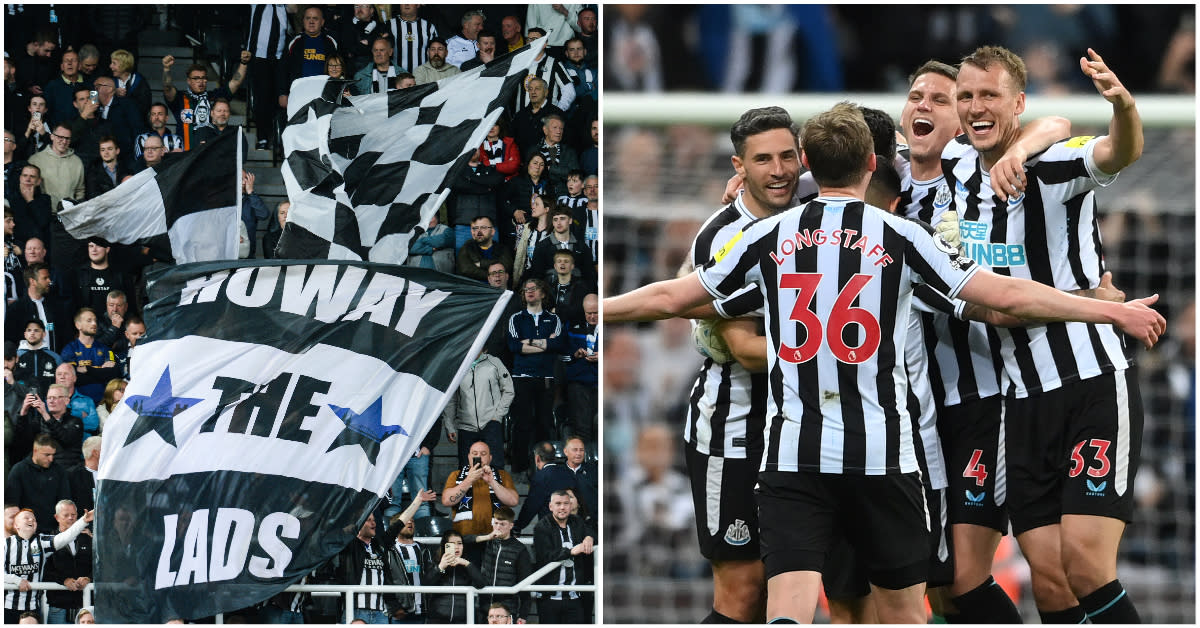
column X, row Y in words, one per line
column 846, row 238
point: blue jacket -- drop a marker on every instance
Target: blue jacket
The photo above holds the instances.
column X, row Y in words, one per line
column 579, row 370
column 523, row 326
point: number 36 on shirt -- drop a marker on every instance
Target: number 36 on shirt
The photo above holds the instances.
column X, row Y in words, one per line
column 841, row 316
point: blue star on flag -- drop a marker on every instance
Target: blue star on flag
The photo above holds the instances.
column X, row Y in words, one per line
column 365, row 429
column 156, row 412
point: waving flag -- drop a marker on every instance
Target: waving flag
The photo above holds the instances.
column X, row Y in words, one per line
column 271, row 405
column 193, row 198
column 362, row 175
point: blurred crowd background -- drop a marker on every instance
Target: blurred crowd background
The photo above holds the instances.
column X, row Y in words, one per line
column 662, row 181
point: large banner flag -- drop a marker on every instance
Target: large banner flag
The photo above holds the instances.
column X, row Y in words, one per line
column 362, row 175
column 270, row 406
column 193, row 198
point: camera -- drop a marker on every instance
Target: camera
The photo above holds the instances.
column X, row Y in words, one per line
column 94, row 96
column 37, row 115
column 477, row 461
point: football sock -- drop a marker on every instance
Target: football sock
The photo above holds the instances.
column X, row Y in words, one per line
column 985, row 604
column 1073, row 615
column 1110, row 604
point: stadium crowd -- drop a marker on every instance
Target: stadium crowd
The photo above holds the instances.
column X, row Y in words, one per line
column 523, row 216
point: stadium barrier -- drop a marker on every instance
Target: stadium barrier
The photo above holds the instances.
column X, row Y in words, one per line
column 348, row 590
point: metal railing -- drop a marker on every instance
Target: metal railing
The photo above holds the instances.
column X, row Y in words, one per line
column 348, row 590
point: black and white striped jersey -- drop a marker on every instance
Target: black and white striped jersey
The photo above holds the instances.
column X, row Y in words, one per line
column 1049, row 234
column 566, row 573
column 560, row 91
column 964, row 355
column 727, row 406
column 372, row 576
column 838, row 277
column 921, row 405
column 268, row 30
column 591, row 232
column 412, row 38
column 24, row 559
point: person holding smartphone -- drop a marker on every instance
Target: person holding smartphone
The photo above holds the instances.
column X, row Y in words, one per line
column 476, row 491
column 453, row 570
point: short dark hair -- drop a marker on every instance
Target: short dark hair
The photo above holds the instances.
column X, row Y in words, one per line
column 883, row 132
column 489, row 219
column 32, row 271
column 158, row 104
column 562, row 209
column 487, row 33
column 537, row 29
column 108, row 138
column 545, row 450
column 45, row 440
column 134, row 319
column 196, row 67
column 504, row 513
column 885, row 182
column 936, row 67
column 757, row 121
column 435, row 40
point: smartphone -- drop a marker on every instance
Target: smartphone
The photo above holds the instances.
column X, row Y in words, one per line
column 37, row 115
column 477, row 461
column 94, row 96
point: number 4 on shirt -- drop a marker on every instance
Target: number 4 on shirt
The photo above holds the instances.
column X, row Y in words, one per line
column 841, row 316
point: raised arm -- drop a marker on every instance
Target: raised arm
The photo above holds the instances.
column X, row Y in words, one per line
column 239, row 74
column 659, row 300
column 1124, row 143
column 1033, row 301
column 168, row 86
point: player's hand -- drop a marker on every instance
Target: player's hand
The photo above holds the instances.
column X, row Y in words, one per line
column 947, row 228
column 731, row 189
column 1106, row 291
column 709, row 343
column 168, row 61
column 1105, row 80
column 1137, row 319
column 1008, row 173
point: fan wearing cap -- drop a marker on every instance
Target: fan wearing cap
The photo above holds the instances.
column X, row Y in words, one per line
column 98, row 276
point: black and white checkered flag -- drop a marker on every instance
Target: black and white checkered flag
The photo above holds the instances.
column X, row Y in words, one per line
column 363, row 175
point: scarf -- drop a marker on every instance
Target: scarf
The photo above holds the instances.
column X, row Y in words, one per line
column 463, row 512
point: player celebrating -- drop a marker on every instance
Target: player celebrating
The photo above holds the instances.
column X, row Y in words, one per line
column 840, row 444
column 726, row 413
column 1074, row 415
